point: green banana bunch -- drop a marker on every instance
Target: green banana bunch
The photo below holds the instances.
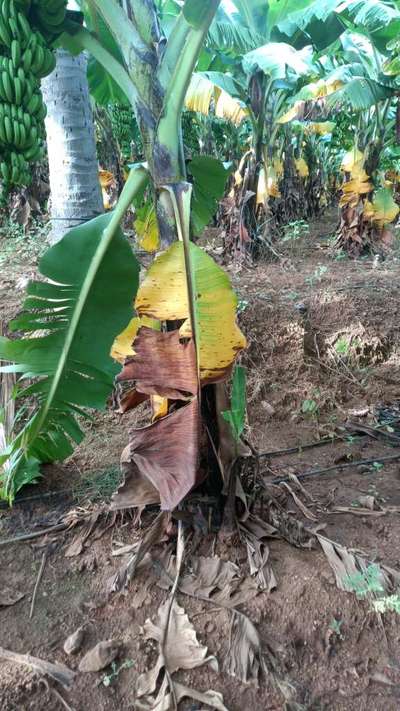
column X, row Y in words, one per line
column 123, row 124
column 48, row 16
column 25, row 58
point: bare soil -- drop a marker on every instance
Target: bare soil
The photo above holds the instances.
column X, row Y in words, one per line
column 329, row 337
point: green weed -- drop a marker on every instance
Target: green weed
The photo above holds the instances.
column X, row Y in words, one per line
column 294, row 231
column 365, row 584
column 108, row 679
column 317, row 275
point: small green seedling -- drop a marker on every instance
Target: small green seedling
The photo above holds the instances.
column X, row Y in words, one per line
column 242, row 306
column 377, row 466
column 390, row 603
column 335, row 625
column 319, row 272
column 294, row 231
column 236, row 416
column 309, row 407
column 342, row 346
column 108, row 679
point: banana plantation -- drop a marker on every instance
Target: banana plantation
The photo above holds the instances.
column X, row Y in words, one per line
column 199, row 355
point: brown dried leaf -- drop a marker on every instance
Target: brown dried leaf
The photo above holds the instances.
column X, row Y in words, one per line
column 10, row 597
column 100, row 656
column 166, row 452
column 303, row 508
column 58, row 672
column 162, row 365
column 165, row 701
column 290, row 528
column 76, row 547
column 153, row 535
column 346, row 564
column 179, row 647
column 211, row 579
column 210, row 575
column 245, row 658
column 254, row 531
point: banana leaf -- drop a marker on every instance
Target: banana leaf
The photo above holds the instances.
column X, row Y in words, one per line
column 70, row 321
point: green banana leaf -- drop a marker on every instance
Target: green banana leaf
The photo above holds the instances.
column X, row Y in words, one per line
column 93, row 278
column 236, row 416
column 209, row 181
column 319, row 25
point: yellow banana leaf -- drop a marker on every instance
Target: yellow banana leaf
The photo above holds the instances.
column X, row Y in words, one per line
column 277, row 167
column 352, row 191
column 315, row 90
column 350, row 159
column 262, row 190
column 320, row 128
column 199, row 94
column 359, row 183
column 267, row 186
column 163, row 295
column 107, row 179
column 384, row 207
column 368, row 211
column 228, row 108
column 122, row 346
column 292, row 113
column 146, row 228
column 302, row 167
column 202, row 92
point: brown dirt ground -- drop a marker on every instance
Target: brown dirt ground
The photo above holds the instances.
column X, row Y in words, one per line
column 359, row 669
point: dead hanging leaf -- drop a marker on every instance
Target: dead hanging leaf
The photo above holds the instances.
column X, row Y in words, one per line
column 59, row 672
column 130, row 400
column 346, row 565
column 245, row 658
column 166, row 453
column 100, row 656
column 162, row 365
column 136, row 491
column 10, row 597
column 179, row 647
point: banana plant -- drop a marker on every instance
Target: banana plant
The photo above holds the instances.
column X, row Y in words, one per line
column 187, row 337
